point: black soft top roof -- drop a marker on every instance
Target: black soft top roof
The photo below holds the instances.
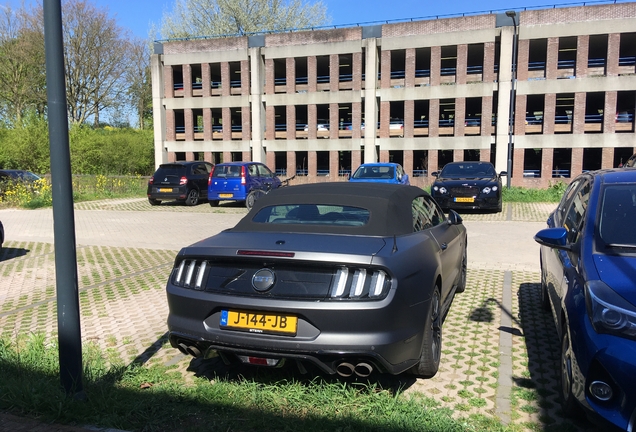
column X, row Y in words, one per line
column 389, row 206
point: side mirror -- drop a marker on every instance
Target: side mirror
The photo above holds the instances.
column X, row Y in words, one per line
column 454, row 218
column 553, row 237
column 435, row 174
column 503, row 173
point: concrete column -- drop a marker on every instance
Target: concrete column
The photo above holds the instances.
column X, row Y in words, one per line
column 256, row 109
column 503, row 108
column 370, row 99
column 578, row 116
column 613, row 49
column 160, row 80
column 205, row 77
column 582, row 54
column 187, row 80
column 462, row 64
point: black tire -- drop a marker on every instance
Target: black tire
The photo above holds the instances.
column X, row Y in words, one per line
column 192, row 198
column 252, row 197
column 213, row 203
column 154, row 202
column 431, row 353
column 461, row 283
column 569, row 404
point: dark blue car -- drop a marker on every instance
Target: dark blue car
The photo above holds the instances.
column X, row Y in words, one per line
column 588, row 282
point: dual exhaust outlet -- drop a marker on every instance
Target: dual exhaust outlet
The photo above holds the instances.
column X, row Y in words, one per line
column 361, row 369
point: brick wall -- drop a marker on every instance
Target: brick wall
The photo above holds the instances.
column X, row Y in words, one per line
column 313, row 37
column 444, row 25
column 205, row 45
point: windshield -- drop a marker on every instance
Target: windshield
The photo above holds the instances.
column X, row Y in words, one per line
column 316, row 214
column 618, row 215
column 467, row 169
column 170, row 170
column 374, row 172
column 227, row 171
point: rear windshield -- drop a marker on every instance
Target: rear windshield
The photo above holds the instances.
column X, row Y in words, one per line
column 227, row 171
column 170, row 170
column 374, row 172
column 315, row 214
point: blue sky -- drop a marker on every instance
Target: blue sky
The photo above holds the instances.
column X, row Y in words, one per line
column 138, row 15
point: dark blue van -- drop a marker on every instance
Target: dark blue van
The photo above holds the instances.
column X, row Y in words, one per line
column 233, row 181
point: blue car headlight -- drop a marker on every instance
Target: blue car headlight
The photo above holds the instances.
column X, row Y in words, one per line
column 440, row 189
column 609, row 312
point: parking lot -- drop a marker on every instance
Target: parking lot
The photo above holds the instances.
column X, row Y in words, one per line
column 500, row 350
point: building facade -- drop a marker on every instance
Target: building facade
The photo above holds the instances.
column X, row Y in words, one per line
column 550, row 92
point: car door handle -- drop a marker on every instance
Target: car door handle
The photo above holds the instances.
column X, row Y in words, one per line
column 443, row 246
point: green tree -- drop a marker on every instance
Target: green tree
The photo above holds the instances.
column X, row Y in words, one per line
column 225, row 17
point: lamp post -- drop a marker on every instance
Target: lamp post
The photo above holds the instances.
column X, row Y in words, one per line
column 511, row 121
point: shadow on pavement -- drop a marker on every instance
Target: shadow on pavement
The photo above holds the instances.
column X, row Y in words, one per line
column 9, row 253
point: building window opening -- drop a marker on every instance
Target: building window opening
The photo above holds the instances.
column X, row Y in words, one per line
column 621, row 154
column 179, row 156
column 301, row 164
column 302, row 79
column 280, row 161
column 444, row 157
column 564, row 110
column 396, row 123
column 420, row 163
column 199, row 156
column 280, row 121
column 215, row 79
column 322, row 163
column 624, row 116
column 345, row 68
column 561, row 162
column 344, row 163
column 627, row 54
column 280, row 76
column 197, row 80
column 236, row 156
column 217, row 123
column 179, row 125
column 594, row 105
column 532, row 163
column 237, row 123
column 235, row 77
column 197, row 115
column 446, row 116
column 471, row 155
column 323, row 73
column 322, row 122
column 475, row 64
column 597, row 55
column 177, row 79
column 345, row 125
column 534, row 113
column 592, row 158
column 396, row 156
column 422, row 67
column 537, row 54
column 472, row 117
column 398, row 68
column 302, row 122
column 448, row 69
column 420, row 117
column 566, row 63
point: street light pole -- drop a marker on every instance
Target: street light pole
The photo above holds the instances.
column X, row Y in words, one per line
column 513, row 81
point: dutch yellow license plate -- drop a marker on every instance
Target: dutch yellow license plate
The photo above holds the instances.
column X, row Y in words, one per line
column 225, row 195
column 165, row 189
column 259, row 322
column 470, row 199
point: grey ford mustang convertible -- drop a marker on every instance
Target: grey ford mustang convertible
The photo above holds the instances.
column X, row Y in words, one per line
column 350, row 277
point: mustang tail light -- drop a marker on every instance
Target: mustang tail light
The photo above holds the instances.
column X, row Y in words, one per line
column 191, row 274
column 356, row 284
column 243, row 181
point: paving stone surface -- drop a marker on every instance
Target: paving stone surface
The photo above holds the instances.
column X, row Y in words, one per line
column 125, row 253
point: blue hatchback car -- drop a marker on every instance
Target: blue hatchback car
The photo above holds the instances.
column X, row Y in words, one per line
column 588, row 282
column 382, row 172
column 233, row 181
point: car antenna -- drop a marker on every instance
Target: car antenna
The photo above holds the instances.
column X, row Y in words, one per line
column 394, row 244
